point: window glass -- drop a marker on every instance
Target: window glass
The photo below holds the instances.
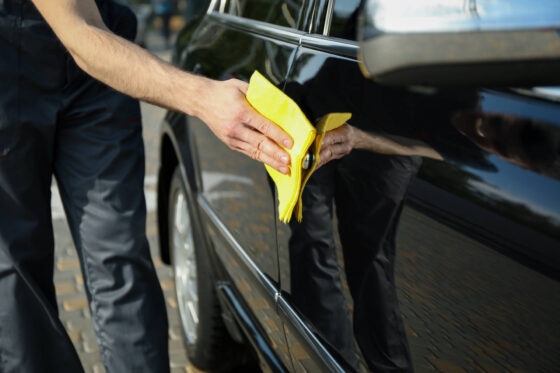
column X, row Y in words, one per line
column 278, row 12
column 344, row 19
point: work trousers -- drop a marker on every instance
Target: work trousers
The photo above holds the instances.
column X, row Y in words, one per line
column 56, row 120
column 367, row 191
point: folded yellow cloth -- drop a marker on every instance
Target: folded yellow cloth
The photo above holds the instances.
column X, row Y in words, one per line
column 273, row 104
column 329, row 122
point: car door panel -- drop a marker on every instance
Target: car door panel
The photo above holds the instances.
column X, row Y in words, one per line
column 476, row 244
column 236, row 197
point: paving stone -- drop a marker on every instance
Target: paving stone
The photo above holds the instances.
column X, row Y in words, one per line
column 174, row 320
column 90, row 346
column 172, row 301
column 178, row 359
column 64, row 276
column 68, row 264
column 77, row 322
column 75, row 304
column 157, row 262
column 89, row 334
column 65, row 288
column 164, row 273
column 75, row 335
column 175, row 334
column 258, row 304
column 192, row 369
column 86, row 313
column 445, row 366
column 167, row 285
column 271, row 325
column 410, row 332
column 90, row 358
column 151, row 229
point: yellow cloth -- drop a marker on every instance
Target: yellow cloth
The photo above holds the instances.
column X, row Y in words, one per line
column 273, row 104
column 329, row 122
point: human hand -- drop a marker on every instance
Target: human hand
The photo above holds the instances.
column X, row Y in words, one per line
column 234, row 121
column 338, row 143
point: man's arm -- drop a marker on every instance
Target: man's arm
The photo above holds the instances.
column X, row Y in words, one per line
column 135, row 72
column 340, row 142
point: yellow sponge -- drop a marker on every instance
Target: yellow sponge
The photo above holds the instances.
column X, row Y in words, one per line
column 273, row 104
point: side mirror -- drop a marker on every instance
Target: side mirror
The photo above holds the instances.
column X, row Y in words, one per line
column 461, row 42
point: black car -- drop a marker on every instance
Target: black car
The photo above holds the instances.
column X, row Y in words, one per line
column 433, row 247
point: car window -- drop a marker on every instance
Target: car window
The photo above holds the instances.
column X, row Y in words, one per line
column 344, row 17
column 278, row 12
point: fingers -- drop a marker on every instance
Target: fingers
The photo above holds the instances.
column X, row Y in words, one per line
column 341, row 134
column 236, row 123
column 249, row 150
column 268, row 128
column 334, row 151
column 336, row 144
column 262, row 145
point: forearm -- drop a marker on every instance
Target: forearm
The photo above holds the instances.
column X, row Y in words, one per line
column 393, row 145
column 122, row 65
column 130, row 69
column 119, row 63
column 340, row 142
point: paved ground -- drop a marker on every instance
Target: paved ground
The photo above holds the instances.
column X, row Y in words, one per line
column 71, row 297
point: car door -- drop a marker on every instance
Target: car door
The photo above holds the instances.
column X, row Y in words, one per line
column 455, row 204
column 314, row 297
column 237, row 198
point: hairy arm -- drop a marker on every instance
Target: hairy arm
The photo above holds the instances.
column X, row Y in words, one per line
column 340, row 142
column 137, row 73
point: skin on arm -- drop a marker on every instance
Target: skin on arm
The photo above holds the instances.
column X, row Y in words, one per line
column 340, row 142
column 133, row 71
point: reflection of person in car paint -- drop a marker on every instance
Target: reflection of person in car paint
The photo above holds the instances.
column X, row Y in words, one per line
column 526, row 143
column 368, row 192
column 341, row 141
column 366, row 189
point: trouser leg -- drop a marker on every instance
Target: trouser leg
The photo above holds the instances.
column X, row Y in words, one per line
column 370, row 193
column 32, row 339
column 99, row 165
column 370, row 271
column 315, row 274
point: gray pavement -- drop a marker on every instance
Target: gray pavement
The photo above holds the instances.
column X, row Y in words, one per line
column 71, row 297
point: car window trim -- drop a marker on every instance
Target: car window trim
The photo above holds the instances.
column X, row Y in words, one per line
column 338, row 46
column 328, row 18
column 283, row 33
column 329, row 44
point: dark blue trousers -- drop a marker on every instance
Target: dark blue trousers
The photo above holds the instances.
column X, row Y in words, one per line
column 55, row 120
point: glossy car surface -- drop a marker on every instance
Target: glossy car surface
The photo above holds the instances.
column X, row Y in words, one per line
column 476, row 222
